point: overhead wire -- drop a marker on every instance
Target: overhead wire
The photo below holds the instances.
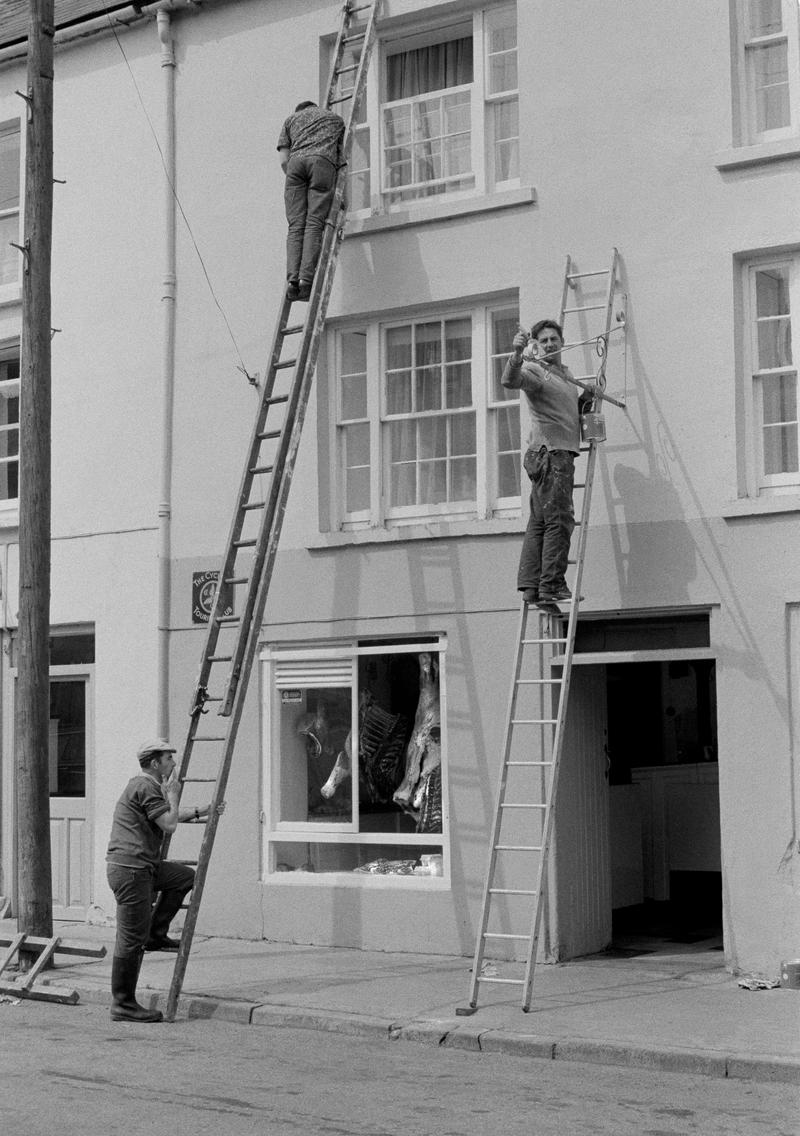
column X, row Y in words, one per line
column 241, row 366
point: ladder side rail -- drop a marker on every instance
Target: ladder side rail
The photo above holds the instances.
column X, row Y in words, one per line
column 565, row 289
column 558, row 733
column 338, row 51
column 612, row 284
column 498, row 815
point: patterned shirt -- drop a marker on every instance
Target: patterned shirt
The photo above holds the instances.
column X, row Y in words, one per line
column 135, row 837
column 312, row 131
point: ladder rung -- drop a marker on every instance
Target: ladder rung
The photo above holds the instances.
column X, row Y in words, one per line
column 512, row 891
column 292, row 329
column 522, row 762
column 347, row 70
column 503, row 935
column 354, row 38
column 244, row 544
column 273, row 400
column 283, row 365
column 261, row 469
column 269, row 434
column 229, row 619
column 550, row 640
column 518, row 848
column 198, row 780
column 251, row 505
column 208, row 738
column 539, row 681
column 340, row 99
column 533, row 721
column 586, row 308
column 358, row 8
column 519, row 805
column 236, row 580
column 174, row 861
column 219, row 658
column 511, row 981
column 581, row 275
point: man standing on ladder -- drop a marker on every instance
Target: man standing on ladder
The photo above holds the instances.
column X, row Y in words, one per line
column 146, row 810
column 310, row 150
column 556, row 404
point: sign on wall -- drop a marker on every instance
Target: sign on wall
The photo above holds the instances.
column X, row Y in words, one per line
column 204, row 587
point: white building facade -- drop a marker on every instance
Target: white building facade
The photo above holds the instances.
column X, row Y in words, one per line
column 496, row 139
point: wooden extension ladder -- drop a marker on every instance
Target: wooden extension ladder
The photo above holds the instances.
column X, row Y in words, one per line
column 513, row 893
column 246, row 572
column 25, row 985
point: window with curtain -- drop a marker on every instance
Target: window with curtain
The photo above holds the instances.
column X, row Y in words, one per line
column 422, row 425
column 441, row 116
column 9, row 202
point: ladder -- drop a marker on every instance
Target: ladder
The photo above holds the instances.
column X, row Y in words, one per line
column 514, row 889
column 246, row 572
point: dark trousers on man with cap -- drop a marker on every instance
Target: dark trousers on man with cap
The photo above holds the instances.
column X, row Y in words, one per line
column 141, row 928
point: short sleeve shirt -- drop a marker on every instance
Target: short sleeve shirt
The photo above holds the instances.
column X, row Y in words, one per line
column 312, row 131
column 135, row 840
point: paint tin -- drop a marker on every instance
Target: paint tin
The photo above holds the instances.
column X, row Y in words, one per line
column 790, row 974
column 593, row 427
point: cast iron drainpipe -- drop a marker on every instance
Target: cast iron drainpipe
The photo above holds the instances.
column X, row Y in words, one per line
column 168, row 378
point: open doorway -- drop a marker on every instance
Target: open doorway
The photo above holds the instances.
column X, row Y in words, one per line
column 664, row 825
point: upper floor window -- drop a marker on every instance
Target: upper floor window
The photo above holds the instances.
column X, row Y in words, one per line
column 9, row 203
column 423, row 426
column 441, row 114
column 769, row 69
column 772, row 306
column 9, row 425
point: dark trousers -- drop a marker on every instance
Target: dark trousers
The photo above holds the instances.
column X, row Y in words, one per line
column 545, row 547
column 307, row 195
column 134, row 890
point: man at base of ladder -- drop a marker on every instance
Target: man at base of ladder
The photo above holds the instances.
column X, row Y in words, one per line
column 556, row 405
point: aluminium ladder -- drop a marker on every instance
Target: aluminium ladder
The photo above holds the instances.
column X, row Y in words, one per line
column 511, row 910
column 231, row 639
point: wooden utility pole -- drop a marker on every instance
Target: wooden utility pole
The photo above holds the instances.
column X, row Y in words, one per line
column 35, row 895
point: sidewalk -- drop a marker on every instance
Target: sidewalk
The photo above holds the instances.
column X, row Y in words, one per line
column 678, row 1012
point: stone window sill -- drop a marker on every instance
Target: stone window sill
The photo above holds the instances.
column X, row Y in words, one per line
column 422, row 214
column 421, row 531
column 758, row 154
column 761, row 506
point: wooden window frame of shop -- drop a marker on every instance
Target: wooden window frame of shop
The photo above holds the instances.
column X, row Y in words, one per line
column 275, row 832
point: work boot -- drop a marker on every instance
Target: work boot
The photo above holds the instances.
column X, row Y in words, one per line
column 124, row 1007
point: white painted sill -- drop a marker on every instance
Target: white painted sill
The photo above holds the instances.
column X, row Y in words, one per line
column 355, row 879
column 739, row 157
column 427, row 530
column 761, row 506
column 440, row 211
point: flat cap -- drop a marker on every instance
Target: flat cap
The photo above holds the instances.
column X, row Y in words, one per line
column 149, row 749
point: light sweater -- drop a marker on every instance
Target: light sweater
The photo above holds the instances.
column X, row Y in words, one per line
column 555, row 403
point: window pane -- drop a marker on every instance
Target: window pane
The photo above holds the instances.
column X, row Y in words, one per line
column 428, row 389
column 462, row 434
column 458, row 381
column 432, row 482
column 403, row 441
column 315, row 744
column 765, row 17
column 458, row 340
column 780, row 450
column 68, row 738
column 431, row 68
column 772, row 292
column 354, row 352
column 774, row 343
column 463, row 479
column 398, row 347
column 403, row 484
column 508, row 433
column 9, row 257
column 508, row 475
column 428, row 342
column 505, row 324
column 9, row 170
column 772, row 86
column 398, row 393
column 779, row 399
column 354, row 396
column 433, row 438
column 505, row 130
column 356, row 490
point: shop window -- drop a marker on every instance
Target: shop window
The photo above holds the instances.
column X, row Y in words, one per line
column 355, row 754
column 436, row 435
column 441, row 114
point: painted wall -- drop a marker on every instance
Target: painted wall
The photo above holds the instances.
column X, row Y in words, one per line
column 622, row 120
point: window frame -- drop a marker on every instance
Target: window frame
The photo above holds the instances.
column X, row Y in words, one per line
column 746, row 47
column 276, row 832
column 11, row 349
column 380, row 513
column 482, row 172
column 12, row 289
column 759, row 483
